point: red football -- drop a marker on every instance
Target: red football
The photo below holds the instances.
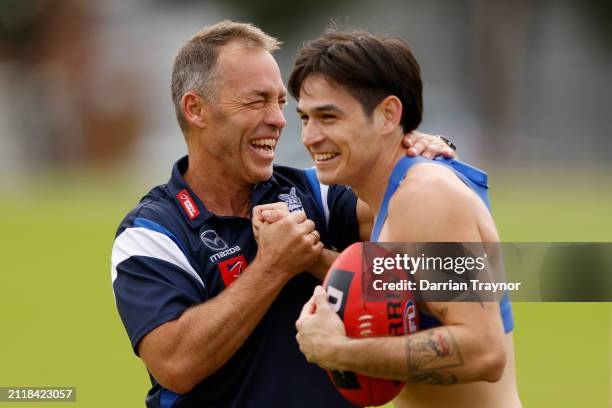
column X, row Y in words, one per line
column 365, row 316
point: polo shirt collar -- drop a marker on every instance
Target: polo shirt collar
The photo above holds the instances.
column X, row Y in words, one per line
column 191, row 207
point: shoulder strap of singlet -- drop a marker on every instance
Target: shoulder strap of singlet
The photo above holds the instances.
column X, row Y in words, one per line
column 397, row 175
column 476, row 179
column 472, row 176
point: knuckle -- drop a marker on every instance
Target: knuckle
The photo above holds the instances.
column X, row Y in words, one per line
column 297, row 228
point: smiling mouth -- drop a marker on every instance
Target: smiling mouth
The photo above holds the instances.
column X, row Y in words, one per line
column 264, row 145
column 323, row 157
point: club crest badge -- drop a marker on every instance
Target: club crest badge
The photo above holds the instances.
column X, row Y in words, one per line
column 293, row 201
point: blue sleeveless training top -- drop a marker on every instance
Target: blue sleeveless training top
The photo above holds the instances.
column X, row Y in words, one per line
column 474, row 178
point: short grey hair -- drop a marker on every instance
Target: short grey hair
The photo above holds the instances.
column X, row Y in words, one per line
column 195, row 64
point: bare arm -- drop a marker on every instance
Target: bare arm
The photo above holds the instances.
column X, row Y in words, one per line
column 365, row 218
column 453, row 353
column 182, row 352
column 321, row 266
column 469, row 346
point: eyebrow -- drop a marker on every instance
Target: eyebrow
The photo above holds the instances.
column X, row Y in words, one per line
column 323, row 108
column 267, row 94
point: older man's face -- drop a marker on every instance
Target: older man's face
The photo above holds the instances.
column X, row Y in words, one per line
column 247, row 117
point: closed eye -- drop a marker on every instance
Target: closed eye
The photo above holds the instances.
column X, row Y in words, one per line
column 259, row 103
column 328, row 117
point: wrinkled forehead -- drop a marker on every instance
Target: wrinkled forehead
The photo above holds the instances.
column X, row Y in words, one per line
column 245, row 69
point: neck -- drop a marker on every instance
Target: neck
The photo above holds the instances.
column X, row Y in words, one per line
column 219, row 191
column 372, row 187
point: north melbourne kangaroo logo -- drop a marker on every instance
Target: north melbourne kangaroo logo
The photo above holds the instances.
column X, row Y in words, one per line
column 293, row 201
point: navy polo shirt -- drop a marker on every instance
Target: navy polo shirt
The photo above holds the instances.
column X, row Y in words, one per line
column 171, row 253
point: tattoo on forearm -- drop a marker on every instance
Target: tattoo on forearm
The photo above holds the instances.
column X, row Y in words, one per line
column 433, row 378
column 429, row 352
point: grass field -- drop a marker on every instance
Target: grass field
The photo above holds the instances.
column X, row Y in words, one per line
column 60, row 326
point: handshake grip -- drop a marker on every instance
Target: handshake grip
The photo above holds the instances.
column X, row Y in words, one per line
column 287, row 241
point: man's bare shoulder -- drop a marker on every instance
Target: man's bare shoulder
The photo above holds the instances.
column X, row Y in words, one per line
column 430, row 187
column 433, row 204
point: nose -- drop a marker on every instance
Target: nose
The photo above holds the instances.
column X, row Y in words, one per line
column 274, row 117
column 311, row 134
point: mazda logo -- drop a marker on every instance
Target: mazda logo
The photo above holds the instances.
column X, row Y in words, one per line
column 212, row 240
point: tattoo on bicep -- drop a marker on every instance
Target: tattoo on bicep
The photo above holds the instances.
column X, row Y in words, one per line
column 429, row 352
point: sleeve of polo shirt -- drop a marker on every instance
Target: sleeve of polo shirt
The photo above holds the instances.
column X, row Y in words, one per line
column 343, row 227
column 153, row 280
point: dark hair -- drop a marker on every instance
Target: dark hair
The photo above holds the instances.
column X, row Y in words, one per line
column 368, row 67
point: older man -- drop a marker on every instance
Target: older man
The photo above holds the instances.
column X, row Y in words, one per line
column 210, row 311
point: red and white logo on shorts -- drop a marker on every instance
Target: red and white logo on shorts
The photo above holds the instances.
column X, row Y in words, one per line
column 188, row 205
column 232, row 268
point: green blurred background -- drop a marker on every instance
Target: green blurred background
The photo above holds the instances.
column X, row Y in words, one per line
column 60, row 326
column 87, row 128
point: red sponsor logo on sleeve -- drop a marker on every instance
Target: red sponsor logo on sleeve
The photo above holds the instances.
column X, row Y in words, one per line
column 188, row 205
column 232, row 268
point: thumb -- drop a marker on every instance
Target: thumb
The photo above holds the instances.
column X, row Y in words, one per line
column 409, row 139
column 272, row 216
column 408, row 142
column 320, row 297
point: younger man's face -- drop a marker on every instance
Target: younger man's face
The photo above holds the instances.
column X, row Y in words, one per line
column 341, row 139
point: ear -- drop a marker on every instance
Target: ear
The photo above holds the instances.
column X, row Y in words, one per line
column 389, row 110
column 194, row 109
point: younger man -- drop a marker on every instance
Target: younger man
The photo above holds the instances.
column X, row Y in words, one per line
column 358, row 94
